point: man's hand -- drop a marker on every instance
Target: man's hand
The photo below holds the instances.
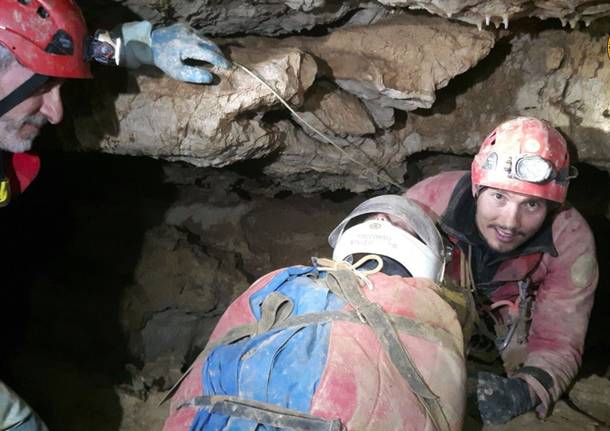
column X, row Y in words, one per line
column 499, row 399
column 174, row 44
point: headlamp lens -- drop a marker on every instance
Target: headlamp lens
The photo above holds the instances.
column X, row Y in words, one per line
column 533, row 169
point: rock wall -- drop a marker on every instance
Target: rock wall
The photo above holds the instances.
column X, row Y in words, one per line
column 381, row 81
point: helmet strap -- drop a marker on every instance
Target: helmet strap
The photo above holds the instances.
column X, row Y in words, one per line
column 22, row 92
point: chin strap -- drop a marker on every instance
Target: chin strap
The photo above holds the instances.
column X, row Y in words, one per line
column 22, row 92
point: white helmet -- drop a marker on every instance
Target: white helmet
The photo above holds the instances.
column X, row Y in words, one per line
column 420, row 251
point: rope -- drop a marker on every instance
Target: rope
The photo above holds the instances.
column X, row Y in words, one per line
column 330, row 265
column 325, row 138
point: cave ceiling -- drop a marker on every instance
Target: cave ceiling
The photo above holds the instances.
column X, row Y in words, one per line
column 383, row 80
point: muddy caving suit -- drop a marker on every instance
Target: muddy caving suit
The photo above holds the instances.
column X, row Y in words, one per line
column 539, row 295
column 18, row 171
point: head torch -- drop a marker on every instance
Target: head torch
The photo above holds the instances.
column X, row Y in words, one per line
column 531, row 168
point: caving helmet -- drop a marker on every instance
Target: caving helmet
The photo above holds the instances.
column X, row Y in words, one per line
column 410, row 238
column 524, row 155
column 46, row 36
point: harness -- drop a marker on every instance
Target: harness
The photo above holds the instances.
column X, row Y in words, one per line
column 518, row 312
column 346, row 282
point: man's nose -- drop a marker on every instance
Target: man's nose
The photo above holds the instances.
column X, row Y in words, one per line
column 51, row 105
column 510, row 217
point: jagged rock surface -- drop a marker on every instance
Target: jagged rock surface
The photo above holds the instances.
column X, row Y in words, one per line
column 563, row 418
column 276, row 17
column 330, row 109
column 398, row 62
column 203, row 125
column 229, row 17
column 558, row 76
column 592, row 396
column 500, row 12
column 456, row 82
column 178, row 294
column 307, row 165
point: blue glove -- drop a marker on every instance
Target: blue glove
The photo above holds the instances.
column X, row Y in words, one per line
column 499, row 399
column 176, row 43
column 168, row 48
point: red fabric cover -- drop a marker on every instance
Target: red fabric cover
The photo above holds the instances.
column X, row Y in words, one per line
column 360, row 385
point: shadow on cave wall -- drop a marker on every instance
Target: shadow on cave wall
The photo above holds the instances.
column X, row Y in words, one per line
column 590, row 194
column 70, row 246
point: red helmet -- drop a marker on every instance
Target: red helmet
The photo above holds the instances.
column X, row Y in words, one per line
column 524, row 155
column 46, row 36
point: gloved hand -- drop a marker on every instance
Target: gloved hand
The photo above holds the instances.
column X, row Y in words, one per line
column 176, row 43
column 168, row 48
column 499, row 399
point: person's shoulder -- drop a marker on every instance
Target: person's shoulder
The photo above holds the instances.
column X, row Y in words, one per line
column 571, row 232
column 569, row 218
column 433, row 193
column 442, row 180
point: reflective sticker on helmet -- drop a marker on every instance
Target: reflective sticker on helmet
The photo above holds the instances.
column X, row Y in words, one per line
column 582, row 270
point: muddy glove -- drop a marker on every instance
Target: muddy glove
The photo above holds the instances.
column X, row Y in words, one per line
column 168, row 48
column 499, row 399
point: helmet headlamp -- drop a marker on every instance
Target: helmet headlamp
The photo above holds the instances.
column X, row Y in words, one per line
column 533, row 169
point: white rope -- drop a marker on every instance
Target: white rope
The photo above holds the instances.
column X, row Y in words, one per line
column 327, row 265
column 316, row 131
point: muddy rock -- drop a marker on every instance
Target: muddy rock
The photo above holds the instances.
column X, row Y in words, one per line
column 144, row 414
column 180, row 291
column 563, row 418
column 538, row 77
column 592, row 396
column 500, row 12
column 352, row 163
column 398, row 62
column 204, row 125
column 228, row 17
column 330, row 109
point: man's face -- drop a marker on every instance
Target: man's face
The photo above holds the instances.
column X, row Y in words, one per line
column 507, row 219
column 22, row 124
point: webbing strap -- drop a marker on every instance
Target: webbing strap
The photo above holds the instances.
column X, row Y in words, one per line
column 22, row 92
column 275, row 301
column 276, row 307
column 346, row 285
column 263, row 413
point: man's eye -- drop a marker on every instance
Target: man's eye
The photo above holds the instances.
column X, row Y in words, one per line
column 498, row 196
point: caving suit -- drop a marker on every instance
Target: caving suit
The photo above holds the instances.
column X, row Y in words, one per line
column 18, row 171
column 556, row 271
